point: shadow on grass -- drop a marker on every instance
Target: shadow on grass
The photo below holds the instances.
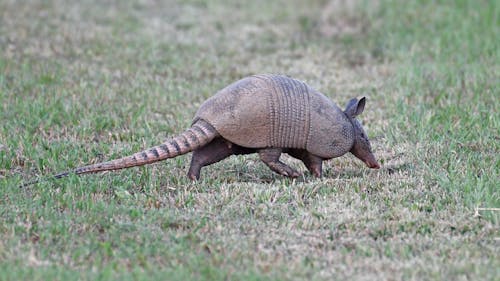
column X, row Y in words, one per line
column 339, row 174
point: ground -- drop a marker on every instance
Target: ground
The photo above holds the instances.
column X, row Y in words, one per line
column 91, row 81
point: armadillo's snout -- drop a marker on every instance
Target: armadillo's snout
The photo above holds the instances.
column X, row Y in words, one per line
column 371, row 162
column 373, row 165
column 368, row 159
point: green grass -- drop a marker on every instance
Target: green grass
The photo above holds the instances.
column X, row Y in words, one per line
column 86, row 82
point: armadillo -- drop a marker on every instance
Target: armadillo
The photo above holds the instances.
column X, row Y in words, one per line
column 266, row 114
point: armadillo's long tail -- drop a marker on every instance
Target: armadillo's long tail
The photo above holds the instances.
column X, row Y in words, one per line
column 198, row 135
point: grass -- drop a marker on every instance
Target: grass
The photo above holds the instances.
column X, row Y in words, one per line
column 91, row 81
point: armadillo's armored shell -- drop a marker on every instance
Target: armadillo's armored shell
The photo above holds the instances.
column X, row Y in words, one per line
column 278, row 111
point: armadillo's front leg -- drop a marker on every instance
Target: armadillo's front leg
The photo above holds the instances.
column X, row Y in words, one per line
column 271, row 156
column 313, row 163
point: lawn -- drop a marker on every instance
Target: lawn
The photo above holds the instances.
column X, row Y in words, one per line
column 90, row 81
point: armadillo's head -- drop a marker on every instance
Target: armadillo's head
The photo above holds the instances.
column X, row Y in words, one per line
column 361, row 147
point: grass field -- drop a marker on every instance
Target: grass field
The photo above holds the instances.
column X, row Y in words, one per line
column 95, row 80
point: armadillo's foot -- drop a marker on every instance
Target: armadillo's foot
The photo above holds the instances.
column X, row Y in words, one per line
column 271, row 157
column 312, row 162
column 215, row 151
column 194, row 173
column 316, row 171
column 283, row 169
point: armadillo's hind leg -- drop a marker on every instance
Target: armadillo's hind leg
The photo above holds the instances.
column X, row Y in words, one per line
column 271, row 156
column 313, row 163
column 215, row 151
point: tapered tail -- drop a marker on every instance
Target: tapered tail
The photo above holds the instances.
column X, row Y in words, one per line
column 200, row 134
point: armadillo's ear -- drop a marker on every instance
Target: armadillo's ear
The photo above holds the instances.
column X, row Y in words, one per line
column 355, row 107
